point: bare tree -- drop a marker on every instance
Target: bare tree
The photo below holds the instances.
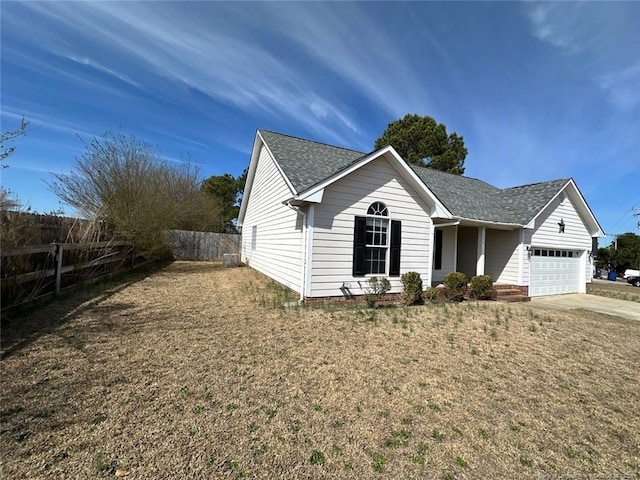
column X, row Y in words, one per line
column 125, row 184
column 5, row 137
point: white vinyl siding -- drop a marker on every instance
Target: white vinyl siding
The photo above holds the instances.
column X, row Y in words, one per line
column 448, row 255
column 575, row 237
column 501, row 256
column 334, row 219
column 272, row 232
column 546, row 234
column 526, row 263
column 588, row 278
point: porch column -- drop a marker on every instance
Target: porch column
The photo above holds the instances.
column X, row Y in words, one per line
column 455, row 250
column 482, row 234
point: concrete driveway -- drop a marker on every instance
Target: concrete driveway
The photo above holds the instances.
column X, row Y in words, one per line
column 593, row 303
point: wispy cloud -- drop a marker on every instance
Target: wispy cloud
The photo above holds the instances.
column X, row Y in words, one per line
column 232, row 68
column 367, row 57
column 623, row 87
column 41, row 121
column 603, row 39
column 93, row 64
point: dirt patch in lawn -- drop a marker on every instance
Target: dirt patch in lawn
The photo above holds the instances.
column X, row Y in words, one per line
column 198, row 372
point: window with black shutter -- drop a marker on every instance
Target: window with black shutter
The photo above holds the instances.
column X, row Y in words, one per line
column 376, row 243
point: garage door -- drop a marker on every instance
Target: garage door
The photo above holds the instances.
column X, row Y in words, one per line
column 554, row 272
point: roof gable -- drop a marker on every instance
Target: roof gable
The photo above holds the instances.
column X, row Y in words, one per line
column 305, row 162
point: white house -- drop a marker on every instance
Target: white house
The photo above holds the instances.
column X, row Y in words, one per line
column 322, row 219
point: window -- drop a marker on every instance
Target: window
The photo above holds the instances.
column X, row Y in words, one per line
column 376, row 243
column 555, row 253
column 437, row 260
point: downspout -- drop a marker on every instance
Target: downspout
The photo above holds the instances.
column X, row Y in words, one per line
column 303, row 270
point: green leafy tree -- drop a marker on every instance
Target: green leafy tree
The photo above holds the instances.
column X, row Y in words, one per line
column 424, row 142
column 623, row 253
column 123, row 183
column 226, row 190
column 627, row 255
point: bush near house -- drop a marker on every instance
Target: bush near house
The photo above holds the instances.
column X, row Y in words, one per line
column 430, row 295
column 481, row 287
column 411, row 288
column 378, row 287
column 457, row 283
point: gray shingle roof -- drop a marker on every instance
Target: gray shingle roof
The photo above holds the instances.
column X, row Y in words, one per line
column 463, row 196
column 306, row 163
column 525, row 202
column 474, row 199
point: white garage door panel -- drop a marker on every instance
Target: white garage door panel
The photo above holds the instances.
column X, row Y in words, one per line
column 553, row 275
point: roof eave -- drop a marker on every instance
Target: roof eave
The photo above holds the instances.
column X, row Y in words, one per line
column 253, row 163
column 490, row 223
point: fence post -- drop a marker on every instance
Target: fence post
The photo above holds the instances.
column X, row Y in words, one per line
column 58, row 266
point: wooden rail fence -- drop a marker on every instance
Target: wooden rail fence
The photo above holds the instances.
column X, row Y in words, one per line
column 49, row 262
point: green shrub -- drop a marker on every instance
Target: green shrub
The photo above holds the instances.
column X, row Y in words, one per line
column 481, row 287
column 377, row 289
column 430, row 294
column 411, row 288
column 457, row 283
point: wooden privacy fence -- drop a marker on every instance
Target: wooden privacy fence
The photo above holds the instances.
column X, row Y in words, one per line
column 203, row 245
column 36, row 270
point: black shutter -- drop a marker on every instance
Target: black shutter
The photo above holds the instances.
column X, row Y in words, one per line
column 394, row 253
column 359, row 246
column 437, row 261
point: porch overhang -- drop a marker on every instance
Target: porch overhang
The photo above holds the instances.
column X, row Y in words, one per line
column 472, row 222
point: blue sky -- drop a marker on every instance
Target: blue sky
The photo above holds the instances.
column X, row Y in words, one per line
column 539, row 91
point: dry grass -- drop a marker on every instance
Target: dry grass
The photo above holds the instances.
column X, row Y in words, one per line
column 197, row 372
column 619, row 290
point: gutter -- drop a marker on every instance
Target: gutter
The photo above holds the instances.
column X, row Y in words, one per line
column 448, row 224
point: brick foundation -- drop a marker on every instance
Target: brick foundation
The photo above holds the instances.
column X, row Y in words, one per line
column 355, row 299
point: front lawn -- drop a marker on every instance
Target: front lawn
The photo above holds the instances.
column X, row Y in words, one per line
column 198, row 372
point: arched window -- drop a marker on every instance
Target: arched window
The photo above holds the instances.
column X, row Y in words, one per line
column 378, row 208
column 376, row 243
